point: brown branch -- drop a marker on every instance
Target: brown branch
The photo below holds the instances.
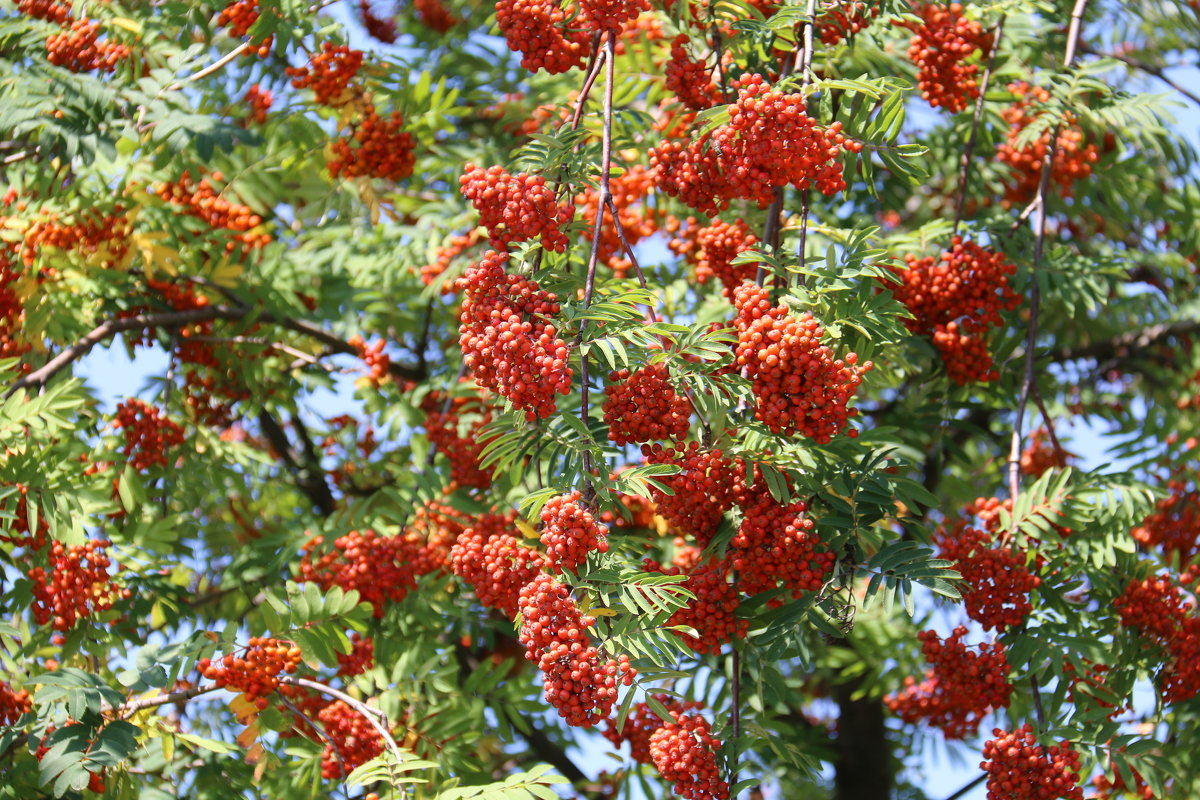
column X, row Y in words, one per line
column 970, row 785
column 969, row 148
column 1142, row 66
column 374, row 717
column 1129, row 343
column 128, row 709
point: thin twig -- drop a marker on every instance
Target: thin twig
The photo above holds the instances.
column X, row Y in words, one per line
column 593, row 70
column 971, row 785
column 374, row 717
column 211, row 68
column 1142, row 66
column 969, row 148
column 337, row 750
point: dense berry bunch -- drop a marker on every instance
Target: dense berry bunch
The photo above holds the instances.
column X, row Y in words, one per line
column 49, row 10
column 203, row 201
column 457, row 245
column 554, row 633
column 255, row 671
column 643, row 406
column 1166, row 619
column 997, row 580
column 690, row 80
column 636, row 217
column 434, row 15
column 570, row 532
column 360, row 658
column 379, row 147
column 516, row 208
column 961, row 687
column 79, row 49
column 454, row 429
column 941, row 48
column 713, row 612
column 377, row 362
column 240, row 16
column 717, row 245
column 775, row 545
column 800, row 387
column 537, row 29
column 100, row 239
column 496, row 566
column 1174, row 525
column 75, row 586
column 642, row 722
column 258, row 102
column 703, row 488
column 955, row 299
column 1073, row 159
column 1041, row 454
column 691, row 172
column 612, row 15
column 430, row 536
column 1018, row 768
column 329, row 74
column 378, row 567
column 353, row 740
column 13, row 704
column 507, row 340
column 380, row 28
column 841, row 19
column 149, row 435
column 685, row 753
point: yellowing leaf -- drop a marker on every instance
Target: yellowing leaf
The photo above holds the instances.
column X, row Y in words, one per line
column 155, row 256
column 602, row 612
column 127, row 24
column 244, row 709
column 527, row 529
column 226, row 273
column 248, row 739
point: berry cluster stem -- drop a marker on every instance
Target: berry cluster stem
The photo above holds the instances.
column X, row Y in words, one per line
column 969, row 148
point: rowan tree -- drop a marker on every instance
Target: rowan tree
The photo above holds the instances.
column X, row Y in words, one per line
column 691, row 382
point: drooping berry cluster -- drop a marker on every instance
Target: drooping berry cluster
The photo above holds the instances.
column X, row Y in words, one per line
column 769, row 142
column 149, row 435
column 1018, row 768
column 1158, row 610
column 49, row 10
column 202, row 201
column 380, row 28
column 690, row 80
column 964, row 683
column 354, row 741
column 643, row 406
column 941, row 48
column 713, row 612
column 240, row 16
column 254, row 670
column 507, row 339
column 717, row 245
column 538, row 30
column 372, row 355
column 360, row 658
column 955, row 299
column 378, row 567
column 997, row 580
column 434, row 15
column 1174, row 525
column 377, row 147
column 1073, row 159
column 577, row 683
column 703, row 488
column 431, row 535
column 799, row 386
column 13, row 704
column 257, row 102
column 570, row 532
column 454, row 429
column 97, row 238
column 685, row 754
column 19, row 535
column 457, row 245
column 775, row 545
column 75, row 585
column 642, row 722
column 79, row 49
column 516, row 208
column 612, row 15
column 1041, row 454
column 497, row 567
column 329, row 74
column 841, row 19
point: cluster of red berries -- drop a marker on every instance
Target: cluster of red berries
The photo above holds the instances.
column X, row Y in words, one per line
column 1041, row 454
column 255, row 671
column 380, row 28
column 941, row 48
column 769, row 142
column 643, row 406
column 360, row 658
column 507, row 340
column 95, row 779
column 570, row 532
column 1174, row 525
column 1018, row 768
column 434, row 15
column 257, row 102
column 455, row 431
column 703, row 488
column 377, row 362
column 75, row 586
column 13, row 704
column 842, row 19
column 961, row 687
column 239, row 16
column 537, row 29
column 202, row 201
column 99, row 238
column 430, row 536
column 713, row 612
column 379, row 147
column 690, row 80
column 1158, row 610
column 642, row 722
column 457, row 245
column 685, row 754
column 997, row 580
column 800, row 387
column 49, row 10
column 496, row 566
column 352, row 740
column 775, row 545
column 955, row 299
column 79, row 49
column 329, row 74
column 1073, row 159
column 378, row 567
column 717, row 245
column 611, row 16
column 516, row 208
column 149, row 435
column 577, row 683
